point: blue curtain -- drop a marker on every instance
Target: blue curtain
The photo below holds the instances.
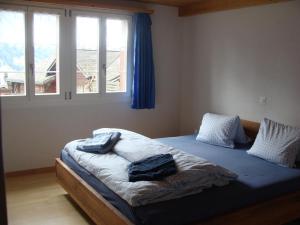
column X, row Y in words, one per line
column 143, row 96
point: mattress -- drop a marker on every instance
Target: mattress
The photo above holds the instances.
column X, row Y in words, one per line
column 258, row 180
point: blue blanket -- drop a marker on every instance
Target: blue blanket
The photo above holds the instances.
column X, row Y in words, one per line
column 153, row 168
column 100, row 144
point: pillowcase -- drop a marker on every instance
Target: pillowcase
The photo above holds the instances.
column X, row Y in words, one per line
column 277, row 143
column 218, row 129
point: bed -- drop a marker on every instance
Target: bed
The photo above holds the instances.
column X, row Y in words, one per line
column 263, row 194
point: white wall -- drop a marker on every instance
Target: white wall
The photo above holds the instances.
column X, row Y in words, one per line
column 220, row 62
column 232, row 58
column 34, row 134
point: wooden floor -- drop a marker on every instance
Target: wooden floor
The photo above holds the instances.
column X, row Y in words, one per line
column 39, row 200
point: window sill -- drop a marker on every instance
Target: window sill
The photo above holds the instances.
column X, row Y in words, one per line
column 47, row 101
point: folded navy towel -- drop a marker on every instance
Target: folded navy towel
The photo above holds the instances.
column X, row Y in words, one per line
column 101, row 143
column 153, row 168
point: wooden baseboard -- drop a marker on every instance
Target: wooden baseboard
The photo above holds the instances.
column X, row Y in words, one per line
column 30, row 172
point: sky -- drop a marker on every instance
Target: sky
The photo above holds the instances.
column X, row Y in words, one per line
column 88, row 30
column 46, row 25
column 12, row 27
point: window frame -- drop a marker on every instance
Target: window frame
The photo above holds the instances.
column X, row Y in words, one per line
column 76, row 95
column 67, row 54
column 12, row 98
column 31, row 75
column 102, row 57
column 129, row 55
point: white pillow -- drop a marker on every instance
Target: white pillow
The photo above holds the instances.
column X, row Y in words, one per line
column 277, row 143
column 218, row 129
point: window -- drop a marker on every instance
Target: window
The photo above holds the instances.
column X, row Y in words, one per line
column 116, row 55
column 96, row 59
column 12, row 53
column 52, row 52
column 87, row 55
column 46, row 53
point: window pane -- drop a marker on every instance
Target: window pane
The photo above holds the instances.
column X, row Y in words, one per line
column 116, row 55
column 46, row 53
column 12, row 53
column 87, row 55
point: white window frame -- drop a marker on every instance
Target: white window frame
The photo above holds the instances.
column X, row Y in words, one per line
column 102, row 57
column 84, row 96
column 61, row 14
column 12, row 98
column 67, row 54
column 129, row 56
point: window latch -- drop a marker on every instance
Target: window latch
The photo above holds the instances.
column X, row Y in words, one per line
column 68, row 95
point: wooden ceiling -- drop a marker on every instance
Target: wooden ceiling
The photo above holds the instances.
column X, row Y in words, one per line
column 193, row 7
column 185, row 7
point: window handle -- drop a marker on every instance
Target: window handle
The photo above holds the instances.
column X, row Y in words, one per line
column 31, row 69
column 104, row 69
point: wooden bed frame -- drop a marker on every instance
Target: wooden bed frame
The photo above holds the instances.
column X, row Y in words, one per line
column 276, row 211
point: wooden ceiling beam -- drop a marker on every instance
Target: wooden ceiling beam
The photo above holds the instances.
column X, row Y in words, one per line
column 174, row 3
column 186, row 7
column 95, row 4
column 206, row 6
